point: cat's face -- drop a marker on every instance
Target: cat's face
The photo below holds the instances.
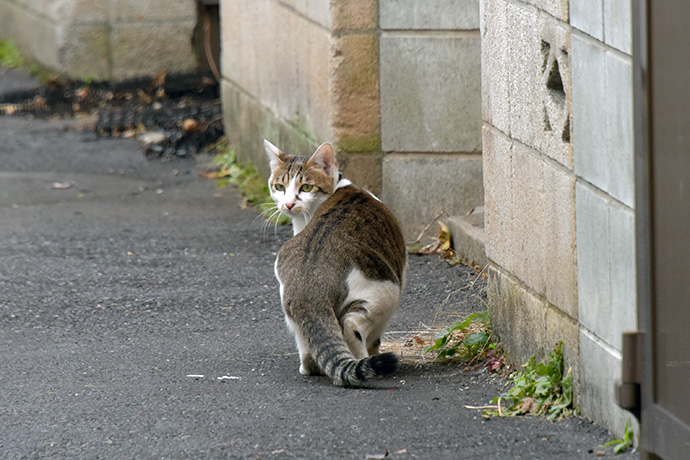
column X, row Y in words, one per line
column 298, row 185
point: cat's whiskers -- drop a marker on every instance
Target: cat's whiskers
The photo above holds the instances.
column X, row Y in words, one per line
column 272, row 219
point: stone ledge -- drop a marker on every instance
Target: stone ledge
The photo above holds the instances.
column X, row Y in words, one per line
column 468, row 236
column 417, row 187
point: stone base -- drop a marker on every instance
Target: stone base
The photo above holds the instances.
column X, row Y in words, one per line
column 81, row 39
column 528, row 325
column 248, row 123
column 417, row 187
column 468, row 236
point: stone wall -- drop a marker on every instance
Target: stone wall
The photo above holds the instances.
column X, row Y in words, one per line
column 558, row 157
column 103, row 39
column 430, row 109
column 393, row 84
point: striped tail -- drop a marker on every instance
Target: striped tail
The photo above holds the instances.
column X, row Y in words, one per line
column 327, row 346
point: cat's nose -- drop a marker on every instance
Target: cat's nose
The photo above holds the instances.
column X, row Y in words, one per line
column 289, row 206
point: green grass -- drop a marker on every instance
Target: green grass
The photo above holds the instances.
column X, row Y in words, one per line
column 250, row 183
column 539, row 389
column 10, row 56
column 621, row 445
column 470, row 342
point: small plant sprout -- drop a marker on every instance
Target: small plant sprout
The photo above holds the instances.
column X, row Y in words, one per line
column 250, row 184
column 621, row 445
column 469, row 341
column 540, row 389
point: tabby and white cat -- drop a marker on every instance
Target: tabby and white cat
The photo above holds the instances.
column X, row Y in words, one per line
column 341, row 273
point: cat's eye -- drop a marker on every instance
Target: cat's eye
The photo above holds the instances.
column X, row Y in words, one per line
column 280, row 187
column 306, row 188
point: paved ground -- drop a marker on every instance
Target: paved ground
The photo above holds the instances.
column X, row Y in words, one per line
column 120, row 278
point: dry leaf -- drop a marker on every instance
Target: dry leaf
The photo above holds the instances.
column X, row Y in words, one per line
column 209, row 175
column 191, row 125
column 444, row 236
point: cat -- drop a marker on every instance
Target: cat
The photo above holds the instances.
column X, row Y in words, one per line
column 342, row 272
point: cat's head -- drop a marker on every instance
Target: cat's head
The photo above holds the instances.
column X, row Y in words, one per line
column 299, row 185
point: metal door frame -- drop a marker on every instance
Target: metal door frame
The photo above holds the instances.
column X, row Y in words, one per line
column 662, row 434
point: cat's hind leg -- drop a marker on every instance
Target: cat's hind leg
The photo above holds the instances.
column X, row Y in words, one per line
column 370, row 305
column 308, row 365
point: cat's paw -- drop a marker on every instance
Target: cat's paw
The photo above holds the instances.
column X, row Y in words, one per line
column 309, row 367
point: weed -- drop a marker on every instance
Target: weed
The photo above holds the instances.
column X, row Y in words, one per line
column 469, row 341
column 540, row 389
column 10, row 56
column 621, row 445
column 249, row 182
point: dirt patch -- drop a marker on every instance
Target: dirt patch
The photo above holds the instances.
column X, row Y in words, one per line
column 182, row 110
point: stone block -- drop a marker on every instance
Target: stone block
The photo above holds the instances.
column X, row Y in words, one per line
column 498, row 196
column 137, row 10
column 593, row 262
column 259, row 56
column 429, row 15
column 140, row 49
column 417, row 187
column 314, row 10
column 618, row 24
column 530, row 219
column 36, row 36
column 527, row 325
column 84, row 11
column 468, row 236
column 619, row 122
column 517, row 317
column 588, row 16
column 354, row 92
column 363, row 169
column 606, row 265
column 526, row 81
column 495, row 53
column 84, row 51
column 588, row 62
column 555, row 8
column 357, row 15
column 62, row 11
column 247, row 123
column 623, row 268
column 430, row 92
column 600, row 368
column 602, row 119
column 565, row 329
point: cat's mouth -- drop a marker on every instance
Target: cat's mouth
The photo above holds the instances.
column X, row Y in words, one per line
column 295, row 210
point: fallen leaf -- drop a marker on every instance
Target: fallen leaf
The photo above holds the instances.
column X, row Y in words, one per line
column 209, row 175
column 191, row 125
column 444, row 236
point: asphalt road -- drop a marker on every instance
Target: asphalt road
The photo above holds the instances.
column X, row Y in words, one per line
column 139, row 318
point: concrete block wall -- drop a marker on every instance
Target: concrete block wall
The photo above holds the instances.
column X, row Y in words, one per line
column 103, row 39
column 558, row 172
column 601, row 47
column 430, row 109
column 394, row 84
column 300, row 73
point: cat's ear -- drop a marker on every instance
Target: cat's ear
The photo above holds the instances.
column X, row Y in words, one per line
column 324, row 158
column 275, row 155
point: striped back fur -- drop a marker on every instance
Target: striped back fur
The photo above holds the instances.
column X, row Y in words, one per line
column 340, row 274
